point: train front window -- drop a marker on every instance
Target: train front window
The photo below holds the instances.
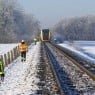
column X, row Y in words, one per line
column 46, row 32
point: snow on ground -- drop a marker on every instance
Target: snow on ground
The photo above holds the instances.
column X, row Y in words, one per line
column 87, row 47
column 6, row 47
column 89, row 50
column 20, row 77
column 79, row 52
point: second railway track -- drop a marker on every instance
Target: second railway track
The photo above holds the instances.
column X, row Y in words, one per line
column 72, row 79
column 84, row 64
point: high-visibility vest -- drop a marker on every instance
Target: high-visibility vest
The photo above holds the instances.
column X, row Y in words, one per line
column 1, row 67
column 35, row 40
column 23, row 47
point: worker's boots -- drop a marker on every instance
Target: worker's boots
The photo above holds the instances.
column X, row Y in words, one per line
column 23, row 59
column 2, row 77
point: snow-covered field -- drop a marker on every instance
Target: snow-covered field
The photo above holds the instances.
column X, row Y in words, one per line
column 20, row 77
column 87, row 47
column 4, row 48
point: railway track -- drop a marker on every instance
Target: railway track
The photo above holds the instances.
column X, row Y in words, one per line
column 48, row 84
column 72, row 78
column 62, row 77
column 82, row 63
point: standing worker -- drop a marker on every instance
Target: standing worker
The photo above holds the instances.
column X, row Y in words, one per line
column 35, row 41
column 2, row 70
column 23, row 49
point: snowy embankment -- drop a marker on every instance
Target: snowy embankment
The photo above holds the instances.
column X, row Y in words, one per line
column 79, row 52
column 87, row 47
column 20, row 77
column 4, row 48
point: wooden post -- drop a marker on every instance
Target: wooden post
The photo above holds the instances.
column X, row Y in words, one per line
column 9, row 58
column 18, row 51
column 14, row 53
column 1, row 57
column 5, row 60
column 11, row 55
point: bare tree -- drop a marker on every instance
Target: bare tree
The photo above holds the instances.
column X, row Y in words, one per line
column 15, row 24
column 78, row 28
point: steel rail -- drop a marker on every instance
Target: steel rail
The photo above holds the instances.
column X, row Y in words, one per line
column 61, row 75
column 83, row 64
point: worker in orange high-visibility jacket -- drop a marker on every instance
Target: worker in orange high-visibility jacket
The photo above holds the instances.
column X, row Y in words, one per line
column 23, row 48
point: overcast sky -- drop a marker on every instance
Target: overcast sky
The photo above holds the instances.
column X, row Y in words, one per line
column 49, row 12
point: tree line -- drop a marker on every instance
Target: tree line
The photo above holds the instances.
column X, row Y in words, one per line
column 76, row 28
column 15, row 24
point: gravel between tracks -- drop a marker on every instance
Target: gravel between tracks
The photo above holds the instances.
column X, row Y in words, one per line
column 84, row 84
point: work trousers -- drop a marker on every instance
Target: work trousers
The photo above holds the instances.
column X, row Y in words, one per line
column 23, row 55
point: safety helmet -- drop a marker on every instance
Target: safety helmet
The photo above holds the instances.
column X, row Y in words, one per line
column 22, row 41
